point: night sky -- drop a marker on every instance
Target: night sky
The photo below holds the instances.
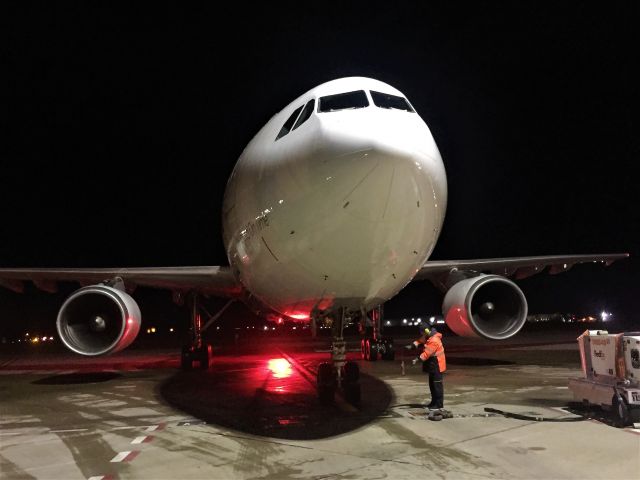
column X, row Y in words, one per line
column 122, row 124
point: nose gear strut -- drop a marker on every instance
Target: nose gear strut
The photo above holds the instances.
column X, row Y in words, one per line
column 340, row 372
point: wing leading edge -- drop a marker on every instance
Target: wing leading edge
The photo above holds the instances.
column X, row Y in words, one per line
column 212, row 280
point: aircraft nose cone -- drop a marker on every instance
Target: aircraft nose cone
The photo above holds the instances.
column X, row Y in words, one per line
column 98, row 324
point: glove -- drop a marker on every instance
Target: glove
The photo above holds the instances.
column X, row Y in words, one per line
column 409, row 347
column 414, row 361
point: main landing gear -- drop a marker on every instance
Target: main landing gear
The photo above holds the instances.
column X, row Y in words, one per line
column 339, row 373
column 375, row 346
column 197, row 350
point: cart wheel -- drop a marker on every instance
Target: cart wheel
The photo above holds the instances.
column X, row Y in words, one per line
column 620, row 412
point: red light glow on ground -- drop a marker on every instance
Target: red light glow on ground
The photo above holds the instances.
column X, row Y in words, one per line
column 280, row 367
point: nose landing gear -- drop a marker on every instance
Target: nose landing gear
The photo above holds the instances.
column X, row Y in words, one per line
column 340, row 373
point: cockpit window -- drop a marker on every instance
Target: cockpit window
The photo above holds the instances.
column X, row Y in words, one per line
column 306, row 113
column 343, row 101
column 286, row 128
column 386, row 100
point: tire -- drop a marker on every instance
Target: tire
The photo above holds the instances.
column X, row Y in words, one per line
column 351, row 372
column 186, row 360
column 620, row 412
column 389, row 351
column 372, row 351
column 204, row 355
column 326, row 383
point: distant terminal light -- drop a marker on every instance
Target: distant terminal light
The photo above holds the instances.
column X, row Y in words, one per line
column 171, row 329
column 404, row 320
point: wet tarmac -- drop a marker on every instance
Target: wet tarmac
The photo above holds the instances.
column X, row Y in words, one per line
column 255, row 414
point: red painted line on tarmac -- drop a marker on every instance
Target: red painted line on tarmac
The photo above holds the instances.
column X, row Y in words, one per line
column 131, row 456
column 148, row 439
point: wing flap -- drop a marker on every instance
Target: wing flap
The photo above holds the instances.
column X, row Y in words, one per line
column 517, row 267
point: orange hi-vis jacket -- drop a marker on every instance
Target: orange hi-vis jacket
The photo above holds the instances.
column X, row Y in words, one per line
column 433, row 348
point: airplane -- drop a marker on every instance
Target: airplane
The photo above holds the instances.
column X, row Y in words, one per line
column 333, row 207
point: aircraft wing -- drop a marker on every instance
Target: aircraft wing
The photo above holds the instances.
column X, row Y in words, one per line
column 217, row 281
column 516, row 267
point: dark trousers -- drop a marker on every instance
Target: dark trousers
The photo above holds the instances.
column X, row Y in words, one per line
column 437, row 389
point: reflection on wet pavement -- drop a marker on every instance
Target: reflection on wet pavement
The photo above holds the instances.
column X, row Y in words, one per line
column 266, row 395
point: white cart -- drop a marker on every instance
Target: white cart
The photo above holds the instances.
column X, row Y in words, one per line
column 611, row 374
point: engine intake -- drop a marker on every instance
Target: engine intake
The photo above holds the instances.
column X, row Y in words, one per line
column 98, row 320
column 488, row 306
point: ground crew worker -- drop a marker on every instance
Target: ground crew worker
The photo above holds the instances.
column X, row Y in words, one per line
column 433, row 362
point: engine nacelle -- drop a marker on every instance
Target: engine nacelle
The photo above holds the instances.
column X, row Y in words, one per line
column 97, row 320
column 488, row 306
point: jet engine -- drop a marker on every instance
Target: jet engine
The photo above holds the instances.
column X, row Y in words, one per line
column 98, row 319
column 488, row 306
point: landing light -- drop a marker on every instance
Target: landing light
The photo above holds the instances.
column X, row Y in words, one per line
column 280, row 367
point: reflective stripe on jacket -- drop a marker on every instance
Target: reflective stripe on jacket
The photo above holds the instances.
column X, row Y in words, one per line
column 434, row 348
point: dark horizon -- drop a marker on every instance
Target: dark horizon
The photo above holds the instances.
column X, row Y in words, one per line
column 124, row 124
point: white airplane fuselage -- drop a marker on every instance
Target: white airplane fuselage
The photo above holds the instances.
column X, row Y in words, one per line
column 340, row 212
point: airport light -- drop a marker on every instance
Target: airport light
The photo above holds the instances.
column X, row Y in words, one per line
column 404, row 320
column 51, row 339
column 605, row 316
column 171, row 329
